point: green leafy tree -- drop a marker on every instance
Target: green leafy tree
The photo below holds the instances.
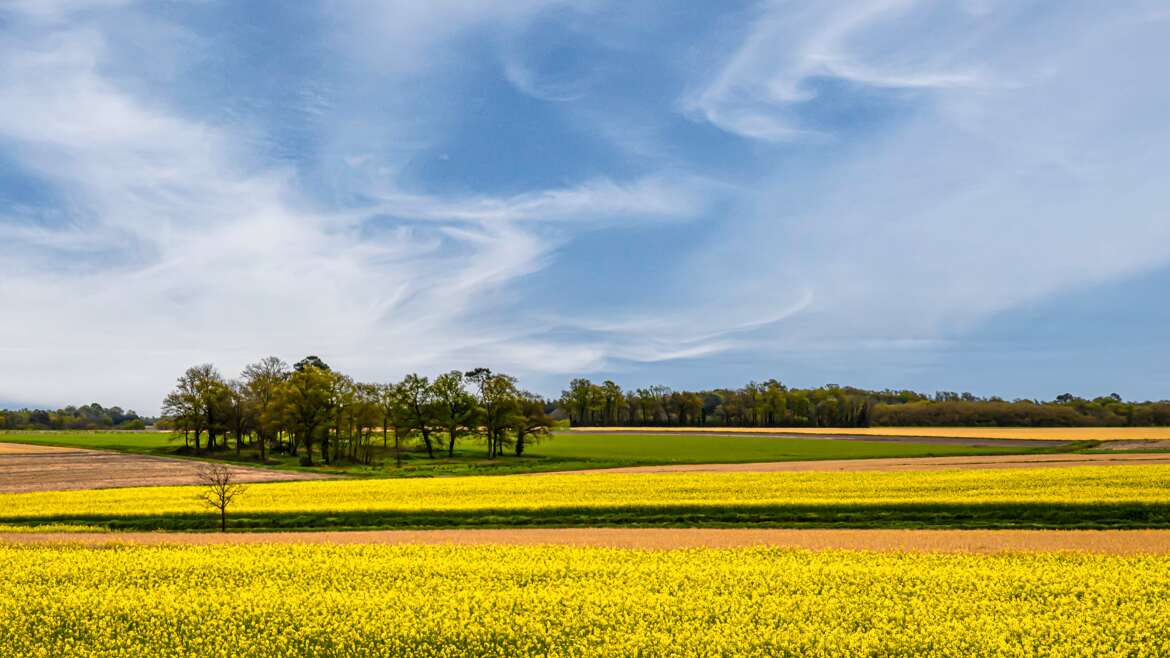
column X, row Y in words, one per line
column 199, row 403
column 262, row 381
column 307, row 401
column 612, row 395
column 421, row 409
column 241, row 412
column 582, row 400
column 497, row 398
column 185, row 407
column 455, row 407
column 365, row 416
column 529, row 420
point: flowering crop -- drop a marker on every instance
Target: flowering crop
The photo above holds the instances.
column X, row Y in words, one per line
column 1080, row 485
column 355, row 600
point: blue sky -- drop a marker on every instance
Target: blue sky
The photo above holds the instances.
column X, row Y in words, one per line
column 972, row 195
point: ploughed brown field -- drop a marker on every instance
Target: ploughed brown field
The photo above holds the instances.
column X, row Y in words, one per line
column 47, row 468
column 1114, row 542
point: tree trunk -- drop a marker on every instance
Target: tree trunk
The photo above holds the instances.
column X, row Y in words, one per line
column 426, row 432
column 308, row 441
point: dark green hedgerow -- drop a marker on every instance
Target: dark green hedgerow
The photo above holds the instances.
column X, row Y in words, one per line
column 955, row 516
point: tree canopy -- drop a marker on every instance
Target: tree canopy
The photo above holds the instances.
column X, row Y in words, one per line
column 772, row 404
column 87, row 417
column 324, row 416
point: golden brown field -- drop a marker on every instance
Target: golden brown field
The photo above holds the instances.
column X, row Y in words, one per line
column 1050, row 433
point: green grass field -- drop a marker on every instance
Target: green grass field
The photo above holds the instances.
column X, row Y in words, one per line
column 128, row 441
column 674, row 449
column 562, row 451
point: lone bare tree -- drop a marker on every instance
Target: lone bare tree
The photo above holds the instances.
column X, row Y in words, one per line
column 220, row 489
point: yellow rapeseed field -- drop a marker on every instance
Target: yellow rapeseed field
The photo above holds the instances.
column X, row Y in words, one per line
column 367, row 600
column 1089, row 484
column 1055, row 433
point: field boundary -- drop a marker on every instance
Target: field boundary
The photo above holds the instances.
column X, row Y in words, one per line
column 1113, row 542
column 1067, row 434
column 972, row 442
column 954, row 516
column 1046, row 460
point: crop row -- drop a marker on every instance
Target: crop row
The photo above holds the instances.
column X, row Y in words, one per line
column 295, row 600
column 1082, row 485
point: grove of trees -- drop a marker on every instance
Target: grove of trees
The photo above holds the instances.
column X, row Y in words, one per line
column 772, row 404
column 313, row 412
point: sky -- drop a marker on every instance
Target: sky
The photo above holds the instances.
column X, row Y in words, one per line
column 970, row 195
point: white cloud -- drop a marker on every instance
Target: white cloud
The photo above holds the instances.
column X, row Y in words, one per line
column 56, row 10
column 1047, row 171
column 593, row 200
column 528, row 82
column 410, row 38
column 873, row 43
column 207, row 257
column 1017, row 167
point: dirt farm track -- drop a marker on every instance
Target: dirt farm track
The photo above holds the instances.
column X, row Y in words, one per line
column 1113, row 542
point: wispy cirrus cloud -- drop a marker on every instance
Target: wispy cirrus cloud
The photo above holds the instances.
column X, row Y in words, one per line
column 592, row 200
column 549, row 187
column 207, row 251
column 789, row 46
column 986, row 193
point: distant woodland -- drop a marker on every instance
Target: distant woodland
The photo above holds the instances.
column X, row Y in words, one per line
column 89, row 417
column 585, row 403
column 772, row 404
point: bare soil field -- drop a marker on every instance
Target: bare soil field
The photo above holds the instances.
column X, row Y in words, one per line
column 899, row 464
column 1135, row 445
column 1115, row 542
column 26, row 468
column 1032, row 433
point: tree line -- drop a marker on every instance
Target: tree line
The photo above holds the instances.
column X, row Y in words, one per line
column 310, row 408
column 88, row 417
column 772, row 404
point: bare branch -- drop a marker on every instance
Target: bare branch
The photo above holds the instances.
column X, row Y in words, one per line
column 220, row 489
